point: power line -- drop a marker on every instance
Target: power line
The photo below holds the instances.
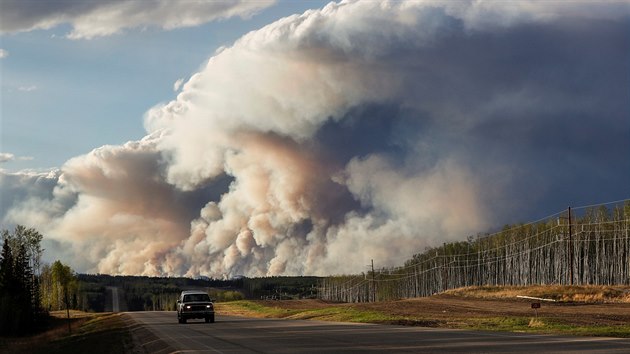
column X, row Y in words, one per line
column 602, row 204
column 501, row 264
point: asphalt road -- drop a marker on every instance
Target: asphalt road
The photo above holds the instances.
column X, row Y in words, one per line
column 114, row 300
column 251, row 335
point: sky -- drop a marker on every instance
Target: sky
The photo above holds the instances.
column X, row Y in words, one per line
column 54, row 86
column 303, row 137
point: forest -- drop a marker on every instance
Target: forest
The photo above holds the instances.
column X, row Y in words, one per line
column 141, row 293
column 586, row 245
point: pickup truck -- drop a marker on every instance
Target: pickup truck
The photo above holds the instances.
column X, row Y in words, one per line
column 194, row 304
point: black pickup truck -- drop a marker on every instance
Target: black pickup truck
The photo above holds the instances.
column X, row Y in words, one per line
column 194, row 304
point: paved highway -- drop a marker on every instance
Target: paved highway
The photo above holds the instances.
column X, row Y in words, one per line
column 250, row 335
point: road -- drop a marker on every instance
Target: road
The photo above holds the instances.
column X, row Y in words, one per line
column 115, row 303
column 251, row 335
column 112, row 300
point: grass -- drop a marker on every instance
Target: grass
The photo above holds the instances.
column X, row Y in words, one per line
column 536, row 323
column 349, row 313
column 91, row 333
column 545, row 326
column 333, row 313
column 102, row 333
column 595, row 331
column 252, row 309
column 562, row 293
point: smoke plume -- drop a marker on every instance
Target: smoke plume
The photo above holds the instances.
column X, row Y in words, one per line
column 364, row 130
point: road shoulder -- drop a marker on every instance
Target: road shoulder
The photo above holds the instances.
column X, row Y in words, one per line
column 144, row 340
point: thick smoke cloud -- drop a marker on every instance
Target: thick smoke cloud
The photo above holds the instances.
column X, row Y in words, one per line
column 365, row 130
column 91, row 19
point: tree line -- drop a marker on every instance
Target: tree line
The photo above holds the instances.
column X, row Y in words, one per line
column 142, row 293
column 136, row 293
column 591, row 246
column 280, row 287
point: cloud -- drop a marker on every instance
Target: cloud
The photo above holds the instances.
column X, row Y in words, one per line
column 178, row 84
column 27, row 88
column 3, row 53
column 92, row 19
column 6, row 157
column 364, row 130
column 31, row 191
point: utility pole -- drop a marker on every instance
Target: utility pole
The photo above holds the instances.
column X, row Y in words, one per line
column 571, row 243
column 373, row 284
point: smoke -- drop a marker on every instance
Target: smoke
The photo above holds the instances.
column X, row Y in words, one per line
column 364, row 130
column 107, row 17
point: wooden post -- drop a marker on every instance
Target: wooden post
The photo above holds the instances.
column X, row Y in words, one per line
column 68, row 311
column 373, row 284
column 571, row 245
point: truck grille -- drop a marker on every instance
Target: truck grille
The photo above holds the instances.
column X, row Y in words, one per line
column 198, row 308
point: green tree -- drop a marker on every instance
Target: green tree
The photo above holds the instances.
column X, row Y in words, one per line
column 25, row 309
column 64, row 279
column 7, row 288
column 19, row 291
column 16, row 288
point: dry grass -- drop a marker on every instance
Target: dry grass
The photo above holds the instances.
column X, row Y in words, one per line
column 578, row 293
column 536, row 323
column 581, row 310
column 56, row 328
column 74, row 314
column 89, row 332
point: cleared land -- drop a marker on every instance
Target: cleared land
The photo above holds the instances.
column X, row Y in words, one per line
column 580, row 310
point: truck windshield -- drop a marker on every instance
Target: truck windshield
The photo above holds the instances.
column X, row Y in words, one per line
column 196, row 297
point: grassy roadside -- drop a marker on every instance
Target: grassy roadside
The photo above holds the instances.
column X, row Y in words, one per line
column 472, row 318
column 333, row 313
column 92, row 333
column 542, row 326
column 560, row 293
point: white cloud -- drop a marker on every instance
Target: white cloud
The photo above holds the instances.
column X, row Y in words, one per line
column 27, row 88
column 3, row 53
column 178, row 84
column 5, row 157
column 90, row 19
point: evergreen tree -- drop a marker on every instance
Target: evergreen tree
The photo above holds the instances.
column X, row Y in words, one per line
column 19, row 290
column 6, row 267
column 8, row 287
column 24, row 311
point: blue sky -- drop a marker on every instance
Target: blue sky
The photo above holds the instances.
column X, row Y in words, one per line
column 309, row 144
column 63, row 97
